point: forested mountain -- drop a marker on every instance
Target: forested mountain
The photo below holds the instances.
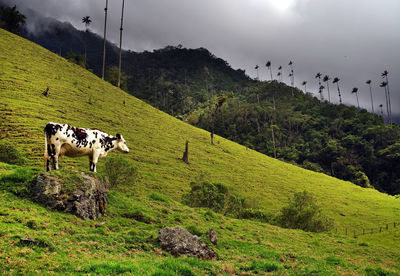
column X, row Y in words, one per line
column 196, row 86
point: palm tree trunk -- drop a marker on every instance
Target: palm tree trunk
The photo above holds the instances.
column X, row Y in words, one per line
column 358, row 103
column 329, row 93
column 85, row 47
column 273, row 137
column 120, row 44
column 387, row 105
column 270, row 70
column 372, row 100
column 105, row 33
column 338, row 89
column 390, row 105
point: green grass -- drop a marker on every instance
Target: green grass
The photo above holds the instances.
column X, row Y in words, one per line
column 127, row 242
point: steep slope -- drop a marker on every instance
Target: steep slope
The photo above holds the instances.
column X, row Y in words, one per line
column 338, row 140
column 156, row 141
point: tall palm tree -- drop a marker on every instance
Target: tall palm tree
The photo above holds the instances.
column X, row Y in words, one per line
column 257, row 71
column 321, row 89
column 336, row 80
column 385, row 75
column 268, row 65
column 105, row 40
column 326, row 79
column 86, row 20
column 305, row 86
column 370, row 90
column 279, row 76
column 384, row 85
column 355, row 90
column 120, row 44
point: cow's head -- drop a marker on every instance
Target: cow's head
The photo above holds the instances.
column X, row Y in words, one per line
column 121, row 143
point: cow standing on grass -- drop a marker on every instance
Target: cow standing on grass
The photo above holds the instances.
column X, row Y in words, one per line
column 63, row 139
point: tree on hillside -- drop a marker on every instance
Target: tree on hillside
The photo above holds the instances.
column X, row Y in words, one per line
column 384, row 85
column 385, row 75
column 120, row 44
column 257, row 71
column 305, row 86
column 105, row 40
column 355, row 91
column 11, row 19
column 370, row 90
column 326, row 79
column 268, row 65
column 86, row 20
column 336, row 80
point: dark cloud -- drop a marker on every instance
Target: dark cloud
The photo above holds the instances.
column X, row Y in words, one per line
column 354, row 40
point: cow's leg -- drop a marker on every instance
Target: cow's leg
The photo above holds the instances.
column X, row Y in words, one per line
column 91, row 163
column 55, row 154
column 95, row 158
column 48, row 157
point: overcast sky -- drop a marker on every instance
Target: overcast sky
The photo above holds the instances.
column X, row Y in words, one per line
column 354, row 40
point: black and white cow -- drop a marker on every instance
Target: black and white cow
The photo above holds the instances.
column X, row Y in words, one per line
column 63, row 139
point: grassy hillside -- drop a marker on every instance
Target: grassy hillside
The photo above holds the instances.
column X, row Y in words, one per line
column 156, row 140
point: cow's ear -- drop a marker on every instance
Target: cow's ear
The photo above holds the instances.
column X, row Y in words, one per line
column 118, row 136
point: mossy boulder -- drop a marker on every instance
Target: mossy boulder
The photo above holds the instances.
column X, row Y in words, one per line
column 78, row 193
column 179, row 241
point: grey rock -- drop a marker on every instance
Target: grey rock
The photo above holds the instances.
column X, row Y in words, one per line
column 88, row 202
column 179, row 241
column 212, row 236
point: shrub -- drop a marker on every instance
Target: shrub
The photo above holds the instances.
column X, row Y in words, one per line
column 120, row 170
column 215, row 196
column 255, row 214
column 303, row 213
column 11, row 154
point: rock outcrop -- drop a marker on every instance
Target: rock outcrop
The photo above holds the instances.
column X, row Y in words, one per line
column 87, row 200
column 179, row 241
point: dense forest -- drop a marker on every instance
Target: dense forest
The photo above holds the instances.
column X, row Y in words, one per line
column 270, row 117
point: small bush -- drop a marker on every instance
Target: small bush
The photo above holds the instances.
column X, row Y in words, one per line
column 120, row 171
column 215, row 196
column 11, row 154
column 255, row 214
column 303, row 213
